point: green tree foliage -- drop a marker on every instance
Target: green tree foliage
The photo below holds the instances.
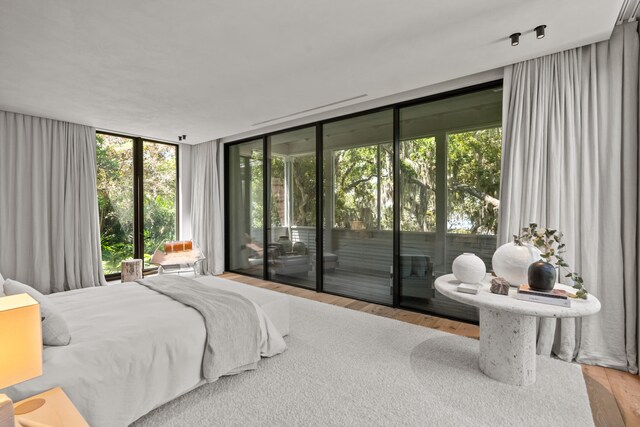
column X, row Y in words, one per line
column 255, row 173
column 160, row 184
column 115, row 197
column 360, row 174
column 362, row 181
column 473, row 176
column 364, row 187
column 418, row 185
column 277, row 191
column 304, row 188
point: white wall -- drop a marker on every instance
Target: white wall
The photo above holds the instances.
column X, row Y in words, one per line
column 460, row 83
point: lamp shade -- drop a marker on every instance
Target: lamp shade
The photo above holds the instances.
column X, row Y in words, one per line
column 20, row 338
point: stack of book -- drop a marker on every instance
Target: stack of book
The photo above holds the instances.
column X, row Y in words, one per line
column 468, row 288
column 553, row 297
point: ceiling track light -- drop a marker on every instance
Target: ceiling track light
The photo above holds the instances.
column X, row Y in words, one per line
column 540, row 31
column 515, row 39
column 182, row 137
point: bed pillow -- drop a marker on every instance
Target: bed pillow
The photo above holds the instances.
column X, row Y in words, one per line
column 55, row 330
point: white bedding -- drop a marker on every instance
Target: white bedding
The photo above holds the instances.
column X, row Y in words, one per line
column 132, row 349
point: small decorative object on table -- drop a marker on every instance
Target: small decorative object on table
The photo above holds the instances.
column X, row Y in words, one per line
column 512, row 260
column 468, row 268
column 549, row 241
column 468, row 288
column 499, row 286
column 131, row 270
column 542, row 276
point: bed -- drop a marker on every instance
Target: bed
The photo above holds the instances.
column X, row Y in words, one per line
column 134, row 349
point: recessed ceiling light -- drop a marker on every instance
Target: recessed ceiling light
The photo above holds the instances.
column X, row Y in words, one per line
column 540, row 31
column 515, row 39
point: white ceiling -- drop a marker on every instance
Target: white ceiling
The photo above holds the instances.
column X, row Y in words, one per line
column 210, row 69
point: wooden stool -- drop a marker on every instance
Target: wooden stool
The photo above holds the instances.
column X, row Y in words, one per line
column 131, row 270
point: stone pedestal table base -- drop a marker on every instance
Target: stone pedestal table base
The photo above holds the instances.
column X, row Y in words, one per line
column 508, row 346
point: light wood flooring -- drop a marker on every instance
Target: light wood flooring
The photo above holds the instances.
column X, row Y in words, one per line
column 614, row 395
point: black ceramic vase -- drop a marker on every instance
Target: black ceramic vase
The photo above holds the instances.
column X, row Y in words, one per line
column 542, row 276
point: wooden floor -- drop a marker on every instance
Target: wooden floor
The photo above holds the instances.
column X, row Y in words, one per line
column 614, row 395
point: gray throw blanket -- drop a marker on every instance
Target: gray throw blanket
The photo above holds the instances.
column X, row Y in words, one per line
column 231, row 320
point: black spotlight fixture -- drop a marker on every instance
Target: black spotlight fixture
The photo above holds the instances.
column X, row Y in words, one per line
column 182, row 137
column 540, row 31
column 515, row 39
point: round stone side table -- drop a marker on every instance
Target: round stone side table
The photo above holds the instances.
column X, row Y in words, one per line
column 508, row 327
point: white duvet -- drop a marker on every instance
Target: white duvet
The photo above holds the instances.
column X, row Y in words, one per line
column 132, row 349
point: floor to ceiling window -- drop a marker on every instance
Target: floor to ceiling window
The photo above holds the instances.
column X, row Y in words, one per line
column 405, row 190
column 137, row 198
column 160, row 185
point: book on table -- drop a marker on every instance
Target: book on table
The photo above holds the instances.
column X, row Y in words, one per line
column 557, row 297
column 468, row 288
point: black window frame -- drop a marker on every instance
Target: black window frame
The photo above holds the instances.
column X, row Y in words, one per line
column 319, row 124
column 138, row 196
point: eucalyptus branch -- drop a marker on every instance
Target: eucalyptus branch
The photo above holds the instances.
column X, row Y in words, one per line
column 550, row 244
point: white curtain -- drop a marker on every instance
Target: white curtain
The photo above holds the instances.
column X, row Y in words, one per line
column 206, row 204
column 570, row 161
column 49, row 228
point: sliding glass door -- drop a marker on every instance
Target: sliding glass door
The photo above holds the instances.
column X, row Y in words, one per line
column 358, row 207
column 405, row 190
column 449, row 187
column 292, row 213
column 246, row 201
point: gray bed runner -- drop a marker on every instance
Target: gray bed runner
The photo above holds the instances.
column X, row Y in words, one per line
column 231, row 320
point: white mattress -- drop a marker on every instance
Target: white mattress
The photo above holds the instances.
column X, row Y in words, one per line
column 132, row 349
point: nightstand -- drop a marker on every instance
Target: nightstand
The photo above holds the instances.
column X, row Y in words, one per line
column 57, row 411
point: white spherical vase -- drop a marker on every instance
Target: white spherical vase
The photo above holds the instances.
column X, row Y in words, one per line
column 512, row 261
column 468, row 268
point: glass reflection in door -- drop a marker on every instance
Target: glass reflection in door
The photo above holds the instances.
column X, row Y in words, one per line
column 292, row 212
column 246, row 192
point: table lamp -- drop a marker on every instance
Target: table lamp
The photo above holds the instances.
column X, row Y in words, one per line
column 21, row 349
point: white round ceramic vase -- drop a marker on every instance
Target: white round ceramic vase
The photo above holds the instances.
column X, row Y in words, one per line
column 512, row 261
column 468, row 268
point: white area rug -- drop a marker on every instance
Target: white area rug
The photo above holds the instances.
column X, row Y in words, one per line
column 345, row 367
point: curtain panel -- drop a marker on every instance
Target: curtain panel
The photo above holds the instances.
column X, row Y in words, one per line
column 570, row 161
column 49, row 227
column 207, row 214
